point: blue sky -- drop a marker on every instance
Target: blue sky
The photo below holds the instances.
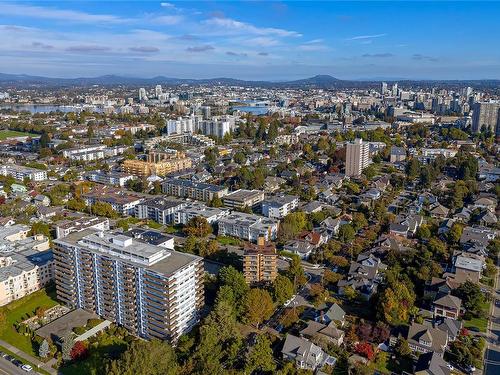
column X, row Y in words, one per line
column 252, row 40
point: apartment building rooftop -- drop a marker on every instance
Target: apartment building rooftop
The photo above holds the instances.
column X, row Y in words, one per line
column 242, row 195
column 194, row 185
column 127, row 249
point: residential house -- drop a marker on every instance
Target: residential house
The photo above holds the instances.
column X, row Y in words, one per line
column 327, row 332
column 334, row 314
column 424, row 338
column 406, row 226
column 468, row 266
column 447, row 306
column 452, row 327
column 304, row 353
column 439, row 211
column 364, row 275
column 431, row 364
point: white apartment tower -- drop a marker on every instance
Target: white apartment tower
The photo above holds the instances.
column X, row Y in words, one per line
column 357, row 157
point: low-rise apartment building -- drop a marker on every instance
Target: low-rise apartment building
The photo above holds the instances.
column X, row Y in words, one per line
column 121, row 201
column 193, row 209
column 242, row 198
column 199, row 191
column 279, row 206
column 63, row 228
column 20, row 172
column 26, row 263
column 159, row 209
column 109, row 178
column 148, row 289
column 248, row 227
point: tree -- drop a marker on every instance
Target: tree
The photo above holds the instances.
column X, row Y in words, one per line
column 346, row 233
column 359, row 220
column 272, row 132
column 40, row 227
column 282, row 289
column 67, row 346
column 210, row 248
column 260, row 357
column 319, row 294
column 413, row 169
column 240, row 158
column 79, row 351
column 438, row 247
column 190, row 245
column 381, row 332
column 402, row 349
column 44, row 349
column 296, row 271
column 229, row 276
column 331, row 278
column 76, row 205
column 292, row 224
column 219, row 341
column 44, row 140
column 471, row 295
column 395, row 303
column 215, row 202
column 258, row 306
column 198, row 226
column 423, row 232
column 145, row 357
column 104, row 209
column 365, row 349
column 454, row 234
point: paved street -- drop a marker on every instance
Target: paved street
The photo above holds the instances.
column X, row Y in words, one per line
column 492, row 356
column 7, row 368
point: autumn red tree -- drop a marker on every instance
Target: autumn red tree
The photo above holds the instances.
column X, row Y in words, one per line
column 79, row 351
column 365, row 349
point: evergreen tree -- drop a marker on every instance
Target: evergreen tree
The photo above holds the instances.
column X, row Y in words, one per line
column 67, row 345
column 260, row 357
column 44, row 349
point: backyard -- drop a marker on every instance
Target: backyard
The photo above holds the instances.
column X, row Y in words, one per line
column 16, row 311
column 479, row 324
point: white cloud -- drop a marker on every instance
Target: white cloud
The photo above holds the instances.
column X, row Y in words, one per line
column 167, row 5
column 367, row 36
column 234, row 26
column 32, row 11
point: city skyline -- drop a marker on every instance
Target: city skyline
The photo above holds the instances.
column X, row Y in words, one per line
column 252, row 41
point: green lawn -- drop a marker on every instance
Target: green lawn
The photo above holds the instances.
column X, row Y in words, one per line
column 223, row 240
column 154, row 225
column 5, row 134
column 480, row 324
column 16, row 312
column 108, row 347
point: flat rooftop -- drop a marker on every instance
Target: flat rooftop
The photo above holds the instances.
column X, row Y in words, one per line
column 129, row 250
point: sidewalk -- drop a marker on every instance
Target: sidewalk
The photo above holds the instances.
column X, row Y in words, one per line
column 28, row 357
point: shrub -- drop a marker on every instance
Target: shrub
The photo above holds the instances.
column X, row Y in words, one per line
column 79, row 330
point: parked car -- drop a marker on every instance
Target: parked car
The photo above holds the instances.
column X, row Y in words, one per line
column 470, row 369
column 17, row 362
column 27, row 368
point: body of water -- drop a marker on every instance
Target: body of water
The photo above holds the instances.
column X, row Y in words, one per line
column 252, row 110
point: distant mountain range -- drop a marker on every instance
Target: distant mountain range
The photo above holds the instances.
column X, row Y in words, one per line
column 319, row 81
